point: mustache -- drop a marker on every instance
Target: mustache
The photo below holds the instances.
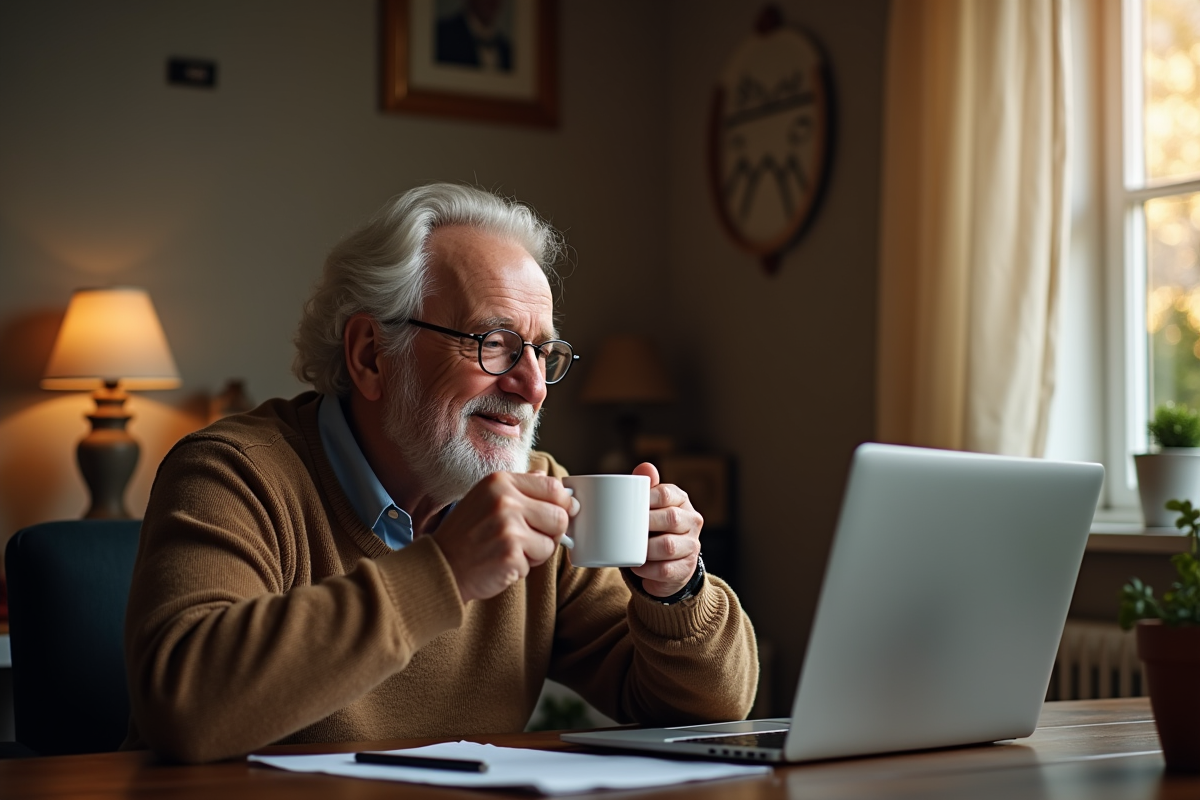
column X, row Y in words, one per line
column 495, row 405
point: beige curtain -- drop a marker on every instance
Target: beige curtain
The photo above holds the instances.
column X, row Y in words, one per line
column 974, row 222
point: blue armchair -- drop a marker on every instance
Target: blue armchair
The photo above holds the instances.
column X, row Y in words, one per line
column 68, row 584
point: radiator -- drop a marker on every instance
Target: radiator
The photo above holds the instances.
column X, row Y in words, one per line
column 1095, row 660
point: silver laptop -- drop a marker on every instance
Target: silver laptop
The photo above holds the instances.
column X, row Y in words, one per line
column 939, row 617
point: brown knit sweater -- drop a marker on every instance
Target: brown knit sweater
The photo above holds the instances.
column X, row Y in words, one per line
column 263, row 610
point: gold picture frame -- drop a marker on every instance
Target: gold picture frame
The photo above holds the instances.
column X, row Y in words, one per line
column 436, row 63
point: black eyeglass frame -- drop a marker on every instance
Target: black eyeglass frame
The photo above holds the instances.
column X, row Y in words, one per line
column 479, row 339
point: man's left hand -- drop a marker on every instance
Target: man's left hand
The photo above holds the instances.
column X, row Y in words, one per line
column 674, row 537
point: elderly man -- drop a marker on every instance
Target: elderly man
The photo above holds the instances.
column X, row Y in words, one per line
column 380, row 558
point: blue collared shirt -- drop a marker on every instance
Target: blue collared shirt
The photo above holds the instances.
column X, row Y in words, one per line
column 368, row 498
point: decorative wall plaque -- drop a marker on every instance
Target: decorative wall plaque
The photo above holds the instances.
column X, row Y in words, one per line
column 769, row 138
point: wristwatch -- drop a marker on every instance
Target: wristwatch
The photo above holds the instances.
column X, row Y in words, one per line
column 690, row 590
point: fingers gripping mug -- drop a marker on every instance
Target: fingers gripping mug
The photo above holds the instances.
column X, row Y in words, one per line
column 612, row 527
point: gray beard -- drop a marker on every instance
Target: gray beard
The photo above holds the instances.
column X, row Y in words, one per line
column 432, row 438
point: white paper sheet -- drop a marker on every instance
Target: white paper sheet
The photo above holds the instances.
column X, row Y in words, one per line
column 548, row 772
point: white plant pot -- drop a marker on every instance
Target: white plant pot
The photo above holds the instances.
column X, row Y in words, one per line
column 1172, row 474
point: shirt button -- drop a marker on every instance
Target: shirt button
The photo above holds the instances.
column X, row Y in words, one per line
column 393, row 513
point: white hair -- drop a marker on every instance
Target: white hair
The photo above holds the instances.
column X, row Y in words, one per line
column 382, row 269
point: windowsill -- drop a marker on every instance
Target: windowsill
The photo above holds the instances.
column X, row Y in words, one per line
column 1121, row 530
column 1133, row 537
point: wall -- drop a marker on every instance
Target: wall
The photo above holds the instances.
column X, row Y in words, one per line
column 1102, row 574
column 781, row 368
column 224, row 203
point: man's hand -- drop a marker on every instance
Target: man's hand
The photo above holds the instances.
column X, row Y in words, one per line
column 674, row 537
column 506, row 525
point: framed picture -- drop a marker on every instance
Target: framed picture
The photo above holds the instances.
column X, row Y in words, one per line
column 493, row 60
column 706, row 479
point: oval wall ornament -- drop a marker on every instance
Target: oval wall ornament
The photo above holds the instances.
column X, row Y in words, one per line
column 768, row 138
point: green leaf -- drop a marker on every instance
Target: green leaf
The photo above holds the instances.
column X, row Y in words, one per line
column 1175, row 426
column 1137, row 602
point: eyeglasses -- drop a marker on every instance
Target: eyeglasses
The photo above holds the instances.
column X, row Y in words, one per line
column 500, row 349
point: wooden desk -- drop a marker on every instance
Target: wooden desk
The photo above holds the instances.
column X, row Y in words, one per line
column 1085, row 749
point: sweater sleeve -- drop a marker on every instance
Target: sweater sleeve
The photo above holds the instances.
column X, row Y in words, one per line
column 638, row 660
column 229, row 645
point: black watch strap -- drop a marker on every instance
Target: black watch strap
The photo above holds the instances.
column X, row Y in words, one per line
column 690, row 590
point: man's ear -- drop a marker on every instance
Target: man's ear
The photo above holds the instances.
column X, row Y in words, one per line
column 361, row 348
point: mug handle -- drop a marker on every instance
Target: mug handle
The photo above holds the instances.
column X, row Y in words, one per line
column 566, row 541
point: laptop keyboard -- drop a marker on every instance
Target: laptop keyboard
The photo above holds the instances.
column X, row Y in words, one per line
column 770, row 740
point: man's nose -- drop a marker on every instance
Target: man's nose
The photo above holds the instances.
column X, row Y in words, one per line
column 525, row 378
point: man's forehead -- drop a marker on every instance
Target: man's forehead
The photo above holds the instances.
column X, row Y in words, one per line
column 545, row 329
column 469, row 255
column 487, row 280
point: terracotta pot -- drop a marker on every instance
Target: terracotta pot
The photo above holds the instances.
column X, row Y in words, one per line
column 1171, row 656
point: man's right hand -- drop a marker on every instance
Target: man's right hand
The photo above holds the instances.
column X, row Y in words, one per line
column 507, row 524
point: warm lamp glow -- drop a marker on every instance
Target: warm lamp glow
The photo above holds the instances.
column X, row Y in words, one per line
column 110, row 341
column 113, row 337
column 627, row 370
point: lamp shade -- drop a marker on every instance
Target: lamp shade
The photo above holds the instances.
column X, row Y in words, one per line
column 627, row 370
column 110, row 336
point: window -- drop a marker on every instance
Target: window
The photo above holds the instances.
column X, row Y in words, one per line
column 1167, row 188
column 1151, row 125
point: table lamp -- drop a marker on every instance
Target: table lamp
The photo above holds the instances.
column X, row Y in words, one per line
column 110, row 341
column 627, row 372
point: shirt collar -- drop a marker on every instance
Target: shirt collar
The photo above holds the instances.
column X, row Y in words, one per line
column 370, row 501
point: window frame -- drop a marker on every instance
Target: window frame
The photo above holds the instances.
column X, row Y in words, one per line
column 1126, row 189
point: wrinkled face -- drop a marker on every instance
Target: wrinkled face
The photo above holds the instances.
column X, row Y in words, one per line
column 452, row 422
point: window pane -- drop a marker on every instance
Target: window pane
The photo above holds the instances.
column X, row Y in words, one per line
column 1172, row 88
column 1173, row 298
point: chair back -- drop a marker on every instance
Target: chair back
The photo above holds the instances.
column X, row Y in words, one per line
column 68, row 584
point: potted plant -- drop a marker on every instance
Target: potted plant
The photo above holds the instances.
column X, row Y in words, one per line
column 1168, row 643
column 1173, row 471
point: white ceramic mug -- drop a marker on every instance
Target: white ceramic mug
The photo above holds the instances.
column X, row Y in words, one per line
column 612, row 527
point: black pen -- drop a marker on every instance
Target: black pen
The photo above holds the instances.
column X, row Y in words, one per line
column 397, row 760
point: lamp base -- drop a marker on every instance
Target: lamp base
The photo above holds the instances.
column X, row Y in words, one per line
column 620, row 460
column 616, row 462
column 108, row 455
